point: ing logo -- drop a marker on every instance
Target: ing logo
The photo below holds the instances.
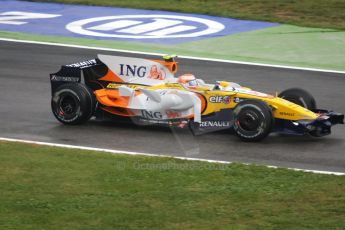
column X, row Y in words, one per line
column 145, row 26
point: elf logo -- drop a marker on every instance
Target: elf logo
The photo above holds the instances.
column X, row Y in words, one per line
column 145, row 26
column 220, row 99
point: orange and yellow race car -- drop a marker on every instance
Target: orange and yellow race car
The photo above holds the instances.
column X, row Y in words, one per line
column 146, row 91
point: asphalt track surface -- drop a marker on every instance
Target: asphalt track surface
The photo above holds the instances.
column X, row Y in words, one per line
column 25, row 111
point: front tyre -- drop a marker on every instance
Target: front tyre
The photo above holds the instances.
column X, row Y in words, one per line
column 300, row 97
column 73, row 103
column 253, row 120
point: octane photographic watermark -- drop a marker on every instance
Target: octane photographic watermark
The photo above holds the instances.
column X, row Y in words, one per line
column 170, row 165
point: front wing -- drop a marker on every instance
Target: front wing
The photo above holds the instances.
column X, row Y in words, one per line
column 321, row 126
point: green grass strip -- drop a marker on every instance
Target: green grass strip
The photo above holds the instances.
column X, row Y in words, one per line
column 282, row 45
column 57, row 188
column 311, row 13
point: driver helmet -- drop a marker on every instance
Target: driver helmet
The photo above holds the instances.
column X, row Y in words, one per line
column 187, row 79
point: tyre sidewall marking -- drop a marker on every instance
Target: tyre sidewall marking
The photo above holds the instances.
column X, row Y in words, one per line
column 242, row 132
column 56, row 100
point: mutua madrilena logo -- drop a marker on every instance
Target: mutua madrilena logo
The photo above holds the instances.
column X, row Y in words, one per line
column 145, row 26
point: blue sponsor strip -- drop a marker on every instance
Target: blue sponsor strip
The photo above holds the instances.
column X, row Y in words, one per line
column 109, row 23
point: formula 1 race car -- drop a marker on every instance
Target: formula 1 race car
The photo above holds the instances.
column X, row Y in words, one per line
column 145, row 91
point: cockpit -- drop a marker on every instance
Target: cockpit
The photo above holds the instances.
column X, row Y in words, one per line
column 191, row 82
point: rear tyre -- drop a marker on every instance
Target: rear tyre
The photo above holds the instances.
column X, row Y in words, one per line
column 73, row 103
column 253, row 120
column 300, row 97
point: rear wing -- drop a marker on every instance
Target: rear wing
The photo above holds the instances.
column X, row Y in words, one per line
column 99, row 72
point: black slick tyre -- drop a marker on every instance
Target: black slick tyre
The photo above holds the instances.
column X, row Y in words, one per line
column 253, row 120
column 73, row 103
column 300, row 97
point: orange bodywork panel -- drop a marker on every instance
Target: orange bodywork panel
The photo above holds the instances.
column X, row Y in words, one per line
column 112, row 77
column 112, row 98
column 203, row 102
column 118, row 111
column 171, row 65
column 114, row 103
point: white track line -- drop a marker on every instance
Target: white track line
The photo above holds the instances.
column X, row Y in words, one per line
column 160, row 54
column 153, row 155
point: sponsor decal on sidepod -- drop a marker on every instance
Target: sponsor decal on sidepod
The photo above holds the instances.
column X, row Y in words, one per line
column 214, row 124
column 220, row 99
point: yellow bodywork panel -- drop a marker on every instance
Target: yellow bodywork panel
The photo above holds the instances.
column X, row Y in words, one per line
column 217, row 100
